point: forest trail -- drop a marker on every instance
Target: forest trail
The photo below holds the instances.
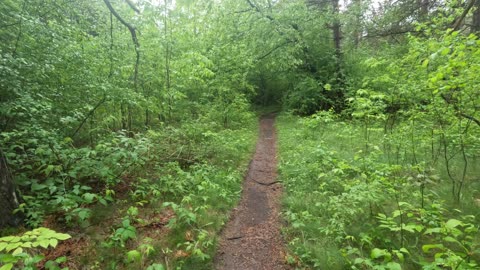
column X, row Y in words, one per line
column 252, row 239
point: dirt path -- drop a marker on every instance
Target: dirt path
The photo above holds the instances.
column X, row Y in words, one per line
column 251, row 239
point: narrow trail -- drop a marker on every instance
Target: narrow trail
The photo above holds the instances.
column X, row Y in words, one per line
column 252, row 239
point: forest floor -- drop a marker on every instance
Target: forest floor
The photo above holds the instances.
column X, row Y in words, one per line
column 251, row 238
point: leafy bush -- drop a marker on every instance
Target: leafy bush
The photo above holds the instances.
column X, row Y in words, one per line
column 306, row 97
column 22, row 251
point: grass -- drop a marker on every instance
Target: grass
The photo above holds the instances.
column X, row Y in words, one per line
column 336, row 185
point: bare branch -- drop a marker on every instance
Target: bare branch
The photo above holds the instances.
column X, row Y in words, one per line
column 459, row 20
column 133, row 33
column 471, row 118
column 132, row 6
column 125, row 23
column 273, row 50
column 453, row 102
column 90, row 113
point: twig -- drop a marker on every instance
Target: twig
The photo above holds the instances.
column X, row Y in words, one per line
column 90, row 113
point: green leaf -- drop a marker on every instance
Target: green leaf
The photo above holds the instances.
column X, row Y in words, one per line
column 84, row 213
column 409, row 227
column 37, row 258
column 394, row 266
column 400, row 256
column 450, row 239
column 432, row 230
column 89, row 197
column 7, row 266
column 129, row 234
column 7, row 239
column 17, row 251
column 3, row 245
column 396, row 213
column 14, row 239
column 36, row 187
column 425, row 63
column 358, row 261
column 44, row 243
column 126, row 223
column 133, row 256
column 49, row 170
column 377, row 253
column 62, row 236
column 103, row 201
column 297, row 224
column 132, row 211
column 8, row 258
column 427, row 248
column 53, row 242
column 51, row 265
column 419, row 227
column 156, row 266
column 61, row 259
column 12, row 246
column 452, row 223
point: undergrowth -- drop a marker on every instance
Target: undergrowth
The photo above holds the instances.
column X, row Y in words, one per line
column 152, row 201
column 350, row 205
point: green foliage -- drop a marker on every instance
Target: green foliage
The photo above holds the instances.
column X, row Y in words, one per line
column 207, row 193
column 140, row 255
column 348, row 205
column 20, row 251
column 125, row 232
column 306, row 97
column 59, row 175
column 89, row 120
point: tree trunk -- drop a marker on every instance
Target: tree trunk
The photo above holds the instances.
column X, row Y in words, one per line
column 337, row 94
column 337, row 34
column 337, row 37
column 476, row 18
column 8, row 196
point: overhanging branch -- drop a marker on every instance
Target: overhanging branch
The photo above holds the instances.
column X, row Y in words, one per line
column 273, row 50
column 130, row 27
column 133, row 33
column 459, row 20
column 132, row 6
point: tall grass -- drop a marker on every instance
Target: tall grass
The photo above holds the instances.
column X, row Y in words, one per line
column 342, row 176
